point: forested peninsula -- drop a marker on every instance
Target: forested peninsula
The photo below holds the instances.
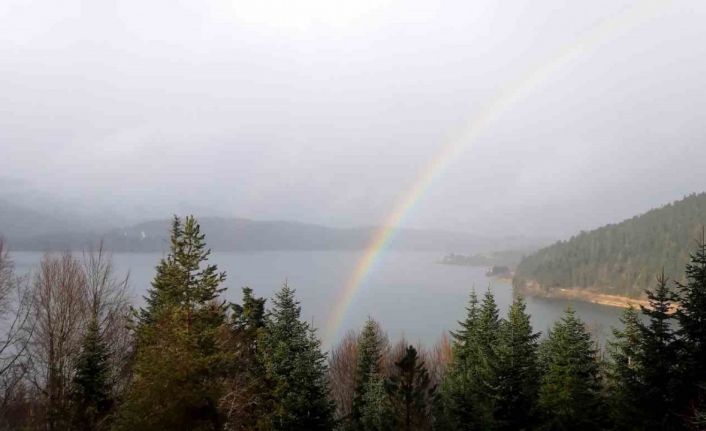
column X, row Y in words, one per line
column 615, row 264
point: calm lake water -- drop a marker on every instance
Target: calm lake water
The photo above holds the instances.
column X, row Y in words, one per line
column 407, row 292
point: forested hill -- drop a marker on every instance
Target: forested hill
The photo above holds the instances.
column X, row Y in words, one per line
column 623, row 258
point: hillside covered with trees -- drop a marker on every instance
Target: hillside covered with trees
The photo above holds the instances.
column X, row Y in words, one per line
column 624, row 258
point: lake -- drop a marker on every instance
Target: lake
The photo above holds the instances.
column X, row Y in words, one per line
column 407, row 292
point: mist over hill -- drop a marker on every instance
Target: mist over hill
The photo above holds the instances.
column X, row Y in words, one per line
column 32, row 230
column 623, row 258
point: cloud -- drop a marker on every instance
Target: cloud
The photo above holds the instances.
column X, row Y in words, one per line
column 326, row 112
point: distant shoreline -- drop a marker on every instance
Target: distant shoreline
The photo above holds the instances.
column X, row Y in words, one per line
column 580, row 294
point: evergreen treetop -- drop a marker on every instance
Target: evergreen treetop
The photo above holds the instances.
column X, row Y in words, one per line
column 91, row 392
column 570, row 391
column 182, row 279
column 295, row 369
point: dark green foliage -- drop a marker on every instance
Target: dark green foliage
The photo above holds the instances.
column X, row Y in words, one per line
column 517, row 370
column 569, row 394
column 377, row 413
column 180, row 357
column 691, row 316
column 623, row 258
column 248, row 394
column 410, row 391
column 485, row 362
column 91, row 395
column 295, row 370
column 371, row 409
column 181, row 277
column 659, row 354
column 625, row 383
column 248, row 319
column 178, row 374
column 492, row 380
column 455, row 405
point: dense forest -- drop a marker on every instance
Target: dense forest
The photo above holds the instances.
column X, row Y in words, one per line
column 624, row 258
column 75, row 355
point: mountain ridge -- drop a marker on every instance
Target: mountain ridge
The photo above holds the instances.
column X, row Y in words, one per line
column 244, row 234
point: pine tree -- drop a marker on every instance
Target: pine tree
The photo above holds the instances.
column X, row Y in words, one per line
column 517, row 370
column 625, row 373
column 248, row 395
column 454, row 405
column 691, row 316
column 484, row 361
column 370, row 409
column 295, row 369
column 411, row 391
column 182, row 279
column 91, row 394
column 376, row 412
column 464, row 337
column 569, row 393
column 178, row 374
column 248, row 320
column 659, row 354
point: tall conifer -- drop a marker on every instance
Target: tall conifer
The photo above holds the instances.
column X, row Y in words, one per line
column 570, row 392
column 91, row 395
column 370, row 408
column 180, row 362
column 411, row 391
column 691, row 316
column 659, row 354
column 625, row 382
column 295, row 369
column 517, row 370
column 454, row 405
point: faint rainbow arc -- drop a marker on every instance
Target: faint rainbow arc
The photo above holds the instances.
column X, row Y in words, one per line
column 463, row 139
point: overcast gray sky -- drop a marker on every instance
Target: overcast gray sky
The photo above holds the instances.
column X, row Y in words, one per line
column 326, row 111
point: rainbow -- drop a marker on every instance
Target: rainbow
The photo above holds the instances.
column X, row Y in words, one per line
column 462, row 140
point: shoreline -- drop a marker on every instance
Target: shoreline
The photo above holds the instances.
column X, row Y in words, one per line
column 581, row 294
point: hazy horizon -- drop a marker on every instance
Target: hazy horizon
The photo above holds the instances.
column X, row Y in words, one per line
column 326, row 114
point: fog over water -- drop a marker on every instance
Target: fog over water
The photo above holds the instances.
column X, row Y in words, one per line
column 407, row 292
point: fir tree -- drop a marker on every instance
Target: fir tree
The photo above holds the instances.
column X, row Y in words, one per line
column 659, row 354
column 484, row 361
column 454, row 405
column 625, row 373
column 248, row 320
column 369, row 400
column 376, row 411
column 411, row 391
column 178, row 376
column 295, row 369
column 180, row 361
column 691, row 316
column 91, row 394
column 182, row 279
column 569, row 393
column 248, row 395
column 517, row 370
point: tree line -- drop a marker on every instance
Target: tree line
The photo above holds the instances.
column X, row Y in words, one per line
column 76, row 356
column 623, row 258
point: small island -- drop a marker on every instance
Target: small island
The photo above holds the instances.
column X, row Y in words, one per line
column 499, row 271
column 504, row 258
